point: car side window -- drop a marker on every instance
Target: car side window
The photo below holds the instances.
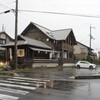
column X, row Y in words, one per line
column 81, row 62
column 87, row 63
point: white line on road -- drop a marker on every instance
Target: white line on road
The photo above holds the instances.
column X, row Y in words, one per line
column 13, row 82
column 18, row 86
column 11, row 79
column 8, row 97
column 27, row 78
column 16, row 91
column 30, row 79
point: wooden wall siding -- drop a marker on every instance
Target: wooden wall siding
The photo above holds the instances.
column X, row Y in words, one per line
column 80, row 56
column 69, row 40
column 5, row 37
column 64, row 46
column 67, row 47
column 36, row 34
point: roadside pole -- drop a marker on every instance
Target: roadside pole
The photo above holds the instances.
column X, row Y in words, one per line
column 16, row 31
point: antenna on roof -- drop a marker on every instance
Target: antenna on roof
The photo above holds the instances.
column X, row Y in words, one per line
column 3, row 28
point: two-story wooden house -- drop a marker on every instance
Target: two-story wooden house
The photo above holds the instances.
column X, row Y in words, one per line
column 61, row 41
column 39, row 43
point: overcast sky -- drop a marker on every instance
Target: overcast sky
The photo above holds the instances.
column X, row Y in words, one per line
column 80, row 25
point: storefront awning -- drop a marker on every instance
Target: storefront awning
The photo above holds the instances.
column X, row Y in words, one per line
column 44, row 50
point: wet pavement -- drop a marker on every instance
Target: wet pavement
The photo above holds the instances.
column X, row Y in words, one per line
column 59, row 85
column 64, row 73
column 64, row 88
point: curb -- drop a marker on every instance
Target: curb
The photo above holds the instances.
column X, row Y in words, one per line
column 88, row 77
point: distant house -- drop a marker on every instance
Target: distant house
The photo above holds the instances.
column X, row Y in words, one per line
column 41, row 44
column 82, row 51
column 4, row 39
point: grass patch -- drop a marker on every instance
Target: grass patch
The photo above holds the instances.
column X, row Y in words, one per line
column 25, row 70
column 7, row 73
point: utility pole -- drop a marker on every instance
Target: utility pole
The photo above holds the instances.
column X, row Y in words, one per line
column 16, row 31
column 91, row 37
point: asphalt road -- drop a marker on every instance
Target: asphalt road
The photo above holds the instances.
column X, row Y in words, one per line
column 64, row 73
column 60, row 87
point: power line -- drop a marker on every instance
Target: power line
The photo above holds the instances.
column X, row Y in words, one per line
column 71, row 14
column 6, row 3
column 10, row 2
column 3, row 6
column 58, row 13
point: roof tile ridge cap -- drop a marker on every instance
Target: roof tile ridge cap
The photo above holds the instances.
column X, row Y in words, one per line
column 61, row 29
column 41, row 26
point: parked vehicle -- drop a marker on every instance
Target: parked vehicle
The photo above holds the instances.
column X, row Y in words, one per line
column 85, row 64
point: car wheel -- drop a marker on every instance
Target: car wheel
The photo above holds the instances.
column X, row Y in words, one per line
column 91, row 67
column 78, row 66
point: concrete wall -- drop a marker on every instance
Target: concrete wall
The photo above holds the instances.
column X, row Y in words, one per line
column 35, row 65
column 80, row 51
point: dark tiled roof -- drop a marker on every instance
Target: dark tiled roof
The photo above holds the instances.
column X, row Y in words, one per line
column 28, row 41
column 55, row 35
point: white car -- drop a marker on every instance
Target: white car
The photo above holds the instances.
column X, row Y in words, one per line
column 85, row 64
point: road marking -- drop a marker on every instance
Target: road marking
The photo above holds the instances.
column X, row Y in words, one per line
column 18, row 86
column 13, row 82
column 16, row 91
column 12, row 79
column 31, row 79
column 8, row 97
column 22, row 80
column 27, row 78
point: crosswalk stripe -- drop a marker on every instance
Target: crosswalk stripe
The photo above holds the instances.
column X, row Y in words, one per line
column 28, row 81
column 27, row 78
column 18, row 86
column 36, row 84
column 12, row 79
column 8, row 97
column 31, row 79
column 20, row 80
column 13, row 82
column 16, row 91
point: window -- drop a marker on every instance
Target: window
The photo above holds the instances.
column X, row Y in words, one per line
column 84, row 62
column 43, row 39
column 1, row 41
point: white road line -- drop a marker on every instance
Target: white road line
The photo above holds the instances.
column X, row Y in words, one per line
column 18, row 86
column 22, row 80
column 27, row 78
column 18, row 82
column 12, row 79
column 15, row 82
column 8, row 97
column 16, row 91
column 31, row 79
